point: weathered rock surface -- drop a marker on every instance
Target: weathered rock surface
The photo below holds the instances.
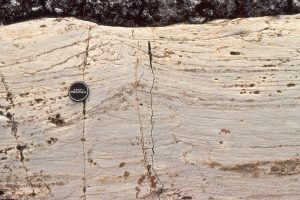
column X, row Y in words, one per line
column 144, row 12
column 216, row 117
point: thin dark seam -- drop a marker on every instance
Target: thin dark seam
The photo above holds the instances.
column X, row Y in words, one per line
column 152, row 122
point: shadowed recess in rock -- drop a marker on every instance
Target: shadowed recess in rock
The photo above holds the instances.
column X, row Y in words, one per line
column 143, row 12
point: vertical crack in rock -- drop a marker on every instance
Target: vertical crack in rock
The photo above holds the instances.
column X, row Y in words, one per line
column 83, row 138
column 83, row 149
column 152, row 121
column 13, row 124
column 8, row 93
column 11, row 121
column 142, row 138
column 84, row 64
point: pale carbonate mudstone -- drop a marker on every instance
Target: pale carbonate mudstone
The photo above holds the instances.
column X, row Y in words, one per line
column 180, row 112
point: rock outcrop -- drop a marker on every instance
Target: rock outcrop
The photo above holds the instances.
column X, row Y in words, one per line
column 210, row 112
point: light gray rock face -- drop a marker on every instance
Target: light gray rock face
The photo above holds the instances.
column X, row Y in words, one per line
column 215, row 116
column 144, row 12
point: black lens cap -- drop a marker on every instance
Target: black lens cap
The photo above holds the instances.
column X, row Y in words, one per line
column 78, row 91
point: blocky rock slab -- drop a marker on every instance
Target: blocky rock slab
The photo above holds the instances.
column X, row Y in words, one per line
column 215, row 117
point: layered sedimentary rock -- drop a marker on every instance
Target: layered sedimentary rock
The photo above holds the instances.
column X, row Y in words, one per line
column 144, row 12
column 209, row 113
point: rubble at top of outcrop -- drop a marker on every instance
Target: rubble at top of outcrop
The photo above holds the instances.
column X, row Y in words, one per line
column 143, row 12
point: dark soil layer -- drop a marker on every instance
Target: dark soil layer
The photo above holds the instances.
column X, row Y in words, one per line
column 143, row 12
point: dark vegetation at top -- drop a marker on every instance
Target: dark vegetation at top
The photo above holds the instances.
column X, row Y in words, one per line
column 143, row 12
